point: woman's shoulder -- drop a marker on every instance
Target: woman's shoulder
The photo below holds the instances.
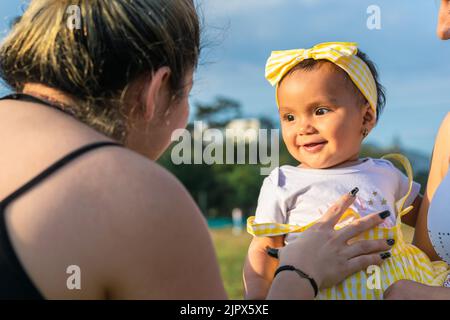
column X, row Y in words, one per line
column 446, row 122
column 147, row 218
column 444, row 131
column 161, row 228
column 140, row 183
column 121, row 206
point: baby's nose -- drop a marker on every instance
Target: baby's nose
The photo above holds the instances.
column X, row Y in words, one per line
column 305, row 127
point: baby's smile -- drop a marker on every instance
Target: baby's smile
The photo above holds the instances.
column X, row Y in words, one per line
column 313, row 147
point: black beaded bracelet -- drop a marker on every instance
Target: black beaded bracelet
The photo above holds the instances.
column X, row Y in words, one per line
column 301, row 274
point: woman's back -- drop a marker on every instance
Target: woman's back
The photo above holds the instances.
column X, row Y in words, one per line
column 102, row 212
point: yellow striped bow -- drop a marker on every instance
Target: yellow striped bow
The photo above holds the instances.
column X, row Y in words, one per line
column 342, row 54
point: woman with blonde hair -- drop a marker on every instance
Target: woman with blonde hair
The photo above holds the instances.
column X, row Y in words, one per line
column 86, row 212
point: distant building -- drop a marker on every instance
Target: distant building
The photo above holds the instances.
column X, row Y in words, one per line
column 244, row 129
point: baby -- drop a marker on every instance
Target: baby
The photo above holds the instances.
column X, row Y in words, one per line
column 329, row 99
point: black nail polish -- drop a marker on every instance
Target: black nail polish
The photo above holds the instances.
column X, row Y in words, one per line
column 384, row 214
column 391, row 242
column 385, row 255
column 354, row 192
column 272, row 252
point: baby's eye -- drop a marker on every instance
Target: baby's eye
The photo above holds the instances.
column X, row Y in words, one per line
column 289, row 117
column 321, row 111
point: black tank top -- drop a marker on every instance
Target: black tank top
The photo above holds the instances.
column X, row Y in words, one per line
column 14, row 281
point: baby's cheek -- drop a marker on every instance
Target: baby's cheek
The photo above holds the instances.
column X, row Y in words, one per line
column 289, row 135
column 348, row 137
column 342, row 147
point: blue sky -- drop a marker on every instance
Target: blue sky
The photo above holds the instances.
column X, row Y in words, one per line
column 414, row 65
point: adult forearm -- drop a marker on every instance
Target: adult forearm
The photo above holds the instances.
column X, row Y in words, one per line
column 289, row 286
column 439, row 293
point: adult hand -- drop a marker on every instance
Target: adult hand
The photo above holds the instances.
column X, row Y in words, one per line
column 326, row 255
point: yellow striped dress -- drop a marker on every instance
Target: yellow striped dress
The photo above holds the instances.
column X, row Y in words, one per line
column 407, row 261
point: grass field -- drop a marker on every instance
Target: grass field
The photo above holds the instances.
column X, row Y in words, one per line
column 231, row 251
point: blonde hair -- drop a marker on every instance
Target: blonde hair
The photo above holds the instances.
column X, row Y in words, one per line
column 119, row 41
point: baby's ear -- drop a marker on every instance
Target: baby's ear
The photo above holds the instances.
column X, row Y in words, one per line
column 369, row 118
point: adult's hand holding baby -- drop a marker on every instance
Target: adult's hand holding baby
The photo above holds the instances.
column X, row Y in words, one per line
column 325, row 255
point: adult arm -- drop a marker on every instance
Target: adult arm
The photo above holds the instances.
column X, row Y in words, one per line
column 439, row 167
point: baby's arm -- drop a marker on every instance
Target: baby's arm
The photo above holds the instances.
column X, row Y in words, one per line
column 259, row 267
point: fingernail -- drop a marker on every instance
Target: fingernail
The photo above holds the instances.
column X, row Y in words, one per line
column 272, row 252
column 385, row 255
column 354, row 192
column 391, row 242
column 385, row 214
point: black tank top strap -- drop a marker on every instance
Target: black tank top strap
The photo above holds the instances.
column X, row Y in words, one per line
column 51, row 169
column 58, row 164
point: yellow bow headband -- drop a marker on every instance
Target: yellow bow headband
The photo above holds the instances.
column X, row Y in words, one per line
column 342, row 54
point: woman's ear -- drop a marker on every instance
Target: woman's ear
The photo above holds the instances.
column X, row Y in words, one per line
column 157, row 92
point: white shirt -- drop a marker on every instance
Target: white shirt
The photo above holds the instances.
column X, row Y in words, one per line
column 299, row 196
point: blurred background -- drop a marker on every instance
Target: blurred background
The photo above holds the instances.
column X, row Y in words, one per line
column 230, row 91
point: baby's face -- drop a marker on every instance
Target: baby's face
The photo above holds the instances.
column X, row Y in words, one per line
column 321, row 117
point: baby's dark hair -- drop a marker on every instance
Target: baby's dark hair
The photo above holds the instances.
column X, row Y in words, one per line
column 311, row 64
